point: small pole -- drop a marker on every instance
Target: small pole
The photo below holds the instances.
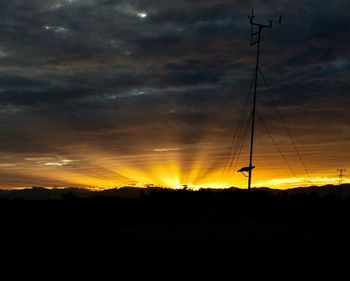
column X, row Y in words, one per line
column 340, row 181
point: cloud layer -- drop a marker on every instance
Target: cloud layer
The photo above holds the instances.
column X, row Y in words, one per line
column 132, row 78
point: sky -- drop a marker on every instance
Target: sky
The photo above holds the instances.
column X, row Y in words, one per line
column 104, row 93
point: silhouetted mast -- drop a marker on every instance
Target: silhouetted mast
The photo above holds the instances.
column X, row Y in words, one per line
column 255, row 38
column 341, row 174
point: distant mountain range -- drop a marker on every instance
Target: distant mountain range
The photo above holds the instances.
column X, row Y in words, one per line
column 42, row 193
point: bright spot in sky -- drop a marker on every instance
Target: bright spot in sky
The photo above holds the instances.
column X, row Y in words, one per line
column 142, row 15
column 57, row 29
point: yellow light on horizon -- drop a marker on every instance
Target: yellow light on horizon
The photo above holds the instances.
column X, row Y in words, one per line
column 171, row 167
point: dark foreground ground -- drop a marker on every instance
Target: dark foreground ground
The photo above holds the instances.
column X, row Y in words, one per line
column 232, row 235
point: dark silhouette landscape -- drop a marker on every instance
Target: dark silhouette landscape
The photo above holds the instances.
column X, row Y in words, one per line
column 134, row 234
column 99, row 94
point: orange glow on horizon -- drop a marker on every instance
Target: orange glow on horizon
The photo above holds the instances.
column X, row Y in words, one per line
column 164, row 170
column 197, row 166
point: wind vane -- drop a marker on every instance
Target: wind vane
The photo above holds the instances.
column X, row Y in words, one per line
column 255, row 39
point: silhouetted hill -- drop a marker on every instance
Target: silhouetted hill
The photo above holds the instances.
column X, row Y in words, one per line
column 42, row 193
column 343, row 190
column 126, row 192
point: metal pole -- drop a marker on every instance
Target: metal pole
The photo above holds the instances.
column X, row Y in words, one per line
column 253, row 35
column 253, row 113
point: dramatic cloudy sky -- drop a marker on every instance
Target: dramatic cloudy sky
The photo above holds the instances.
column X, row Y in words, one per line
column 106, row 93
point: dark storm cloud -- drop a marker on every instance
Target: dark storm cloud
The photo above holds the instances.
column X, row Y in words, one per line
column 114, row 73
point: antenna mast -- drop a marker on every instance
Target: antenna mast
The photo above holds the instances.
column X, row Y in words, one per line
column 255, row 39
column 341, row 175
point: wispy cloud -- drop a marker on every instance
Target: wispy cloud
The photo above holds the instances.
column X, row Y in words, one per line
column 166, row 149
